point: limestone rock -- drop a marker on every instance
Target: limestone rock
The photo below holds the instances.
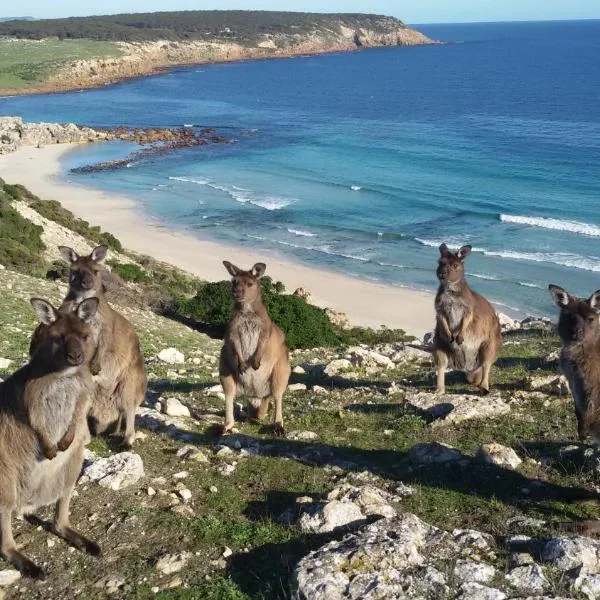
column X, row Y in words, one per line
column 172, row 563
column 366, row 358
column 507, row 323
column 499, row 455
column 304, row 436
column 115, row 472
column 434, row 453
column 528, row 579
column 174, row 408
column 549, row 384
column 171, row 356
column 9, row 576
column 335, row 367
column 321, row 518
column 297, row 387
column 476, row 591
column 457, row 408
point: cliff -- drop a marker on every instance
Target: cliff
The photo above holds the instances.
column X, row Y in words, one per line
column 285, row 35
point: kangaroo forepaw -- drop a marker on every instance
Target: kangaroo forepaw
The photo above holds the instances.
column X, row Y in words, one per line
column 50, row 452
column 278, row 429
column 65, row 443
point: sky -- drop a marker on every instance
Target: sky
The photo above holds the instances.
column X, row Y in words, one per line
column 410, row 11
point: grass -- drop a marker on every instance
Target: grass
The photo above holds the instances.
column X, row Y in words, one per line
column 359, row 426
column 29, row 63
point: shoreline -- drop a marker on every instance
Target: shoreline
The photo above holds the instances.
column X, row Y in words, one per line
column 397, row 307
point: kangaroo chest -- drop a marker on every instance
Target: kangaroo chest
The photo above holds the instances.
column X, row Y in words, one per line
column 58, row 404
column 249, row 327
column 453, row 306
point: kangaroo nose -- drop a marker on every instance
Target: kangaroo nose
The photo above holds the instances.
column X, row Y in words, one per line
column 75, row 357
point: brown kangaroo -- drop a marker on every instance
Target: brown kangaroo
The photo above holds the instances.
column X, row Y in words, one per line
column 254, row 357
column 467, row 334
column 579, row 331
column 43, row 409
column 118, row 366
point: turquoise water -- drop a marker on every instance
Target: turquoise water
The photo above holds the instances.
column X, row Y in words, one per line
column 365, row 162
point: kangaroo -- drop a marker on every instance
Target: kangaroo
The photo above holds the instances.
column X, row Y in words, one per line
column 117, row 366
column 579, row 331
column 254, row 357
column 43, row 409
column 467, row 334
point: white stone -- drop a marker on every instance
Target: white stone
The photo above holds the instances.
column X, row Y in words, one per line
column 467, row 571
column 434, row 453
column 185, row 494
column 567, row 553
column 297, row 387
column 304, row 436
column 9, row 576
column 528, row 579
column 335, row 367
column 227, row 552
column 172, row 563
column 171, row 356
column 174, row 408
column 330, row 516
column 115, row 472
column 499, row 455
column 476, row 591
column 298, row 370
column 5, row 363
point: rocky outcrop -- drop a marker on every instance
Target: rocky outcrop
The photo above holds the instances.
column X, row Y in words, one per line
column 405, row 557
column 14, row 134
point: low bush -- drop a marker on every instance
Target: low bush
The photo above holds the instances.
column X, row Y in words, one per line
column 53, row 210
column 21, row 246
column 129, row 272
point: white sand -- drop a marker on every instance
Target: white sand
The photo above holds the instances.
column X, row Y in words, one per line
column 366, row 303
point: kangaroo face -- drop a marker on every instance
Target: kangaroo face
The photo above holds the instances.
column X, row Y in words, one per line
column 69, row 341
column 85, row 275
column 578, row 317
column 450, row 264
column 245, row 286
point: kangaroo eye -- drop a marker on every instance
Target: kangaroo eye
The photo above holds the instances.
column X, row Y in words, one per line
column 85, row 337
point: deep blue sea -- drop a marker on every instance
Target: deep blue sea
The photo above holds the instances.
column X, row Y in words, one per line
column 365, row 162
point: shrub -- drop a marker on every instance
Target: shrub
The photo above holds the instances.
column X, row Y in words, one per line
column 129, row 272
column 21, row 246
column 53, row 210
column 305, row 325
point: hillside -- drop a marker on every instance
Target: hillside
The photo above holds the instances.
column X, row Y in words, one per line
column 63, row 54
column 252, row 516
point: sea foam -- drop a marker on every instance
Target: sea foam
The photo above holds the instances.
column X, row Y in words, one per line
column 557, row 224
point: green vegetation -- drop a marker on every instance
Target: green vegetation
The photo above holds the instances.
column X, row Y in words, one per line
column 241, row 26
column 305, row 325
column 21, row 245
column 129, row 271
column 53, row 210
column 28, row 63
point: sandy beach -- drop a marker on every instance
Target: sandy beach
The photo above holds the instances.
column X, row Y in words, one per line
column 366, row 303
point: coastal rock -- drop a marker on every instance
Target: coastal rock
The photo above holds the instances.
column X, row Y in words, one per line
column 297, row 387
column 335, row 367
column 337, row 319
column 528, row 579
column 174, row 408
column 457, row 408
column 321, row 518
column 555, row 385
column 172, row 563
column 9, row 576
column 499, row 455
column 14, row 134
column 428, row 453
column 115, row 472
column 171, row 356
column 304, row 294
column 407, row 353
column 367, row 358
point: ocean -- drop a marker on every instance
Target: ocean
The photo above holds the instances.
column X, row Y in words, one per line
column 365, row 162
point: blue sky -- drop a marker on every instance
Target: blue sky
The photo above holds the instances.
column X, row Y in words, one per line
column 411, row 11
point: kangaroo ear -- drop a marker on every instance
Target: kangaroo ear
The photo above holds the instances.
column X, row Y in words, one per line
column 46, row 313
column 444, row 250
column 594, row 301
column 561, row 297
column 99, row 253
column 232, row 269
column 258, row 270
column 87, row 309
column 464, row 252
column 68, row 254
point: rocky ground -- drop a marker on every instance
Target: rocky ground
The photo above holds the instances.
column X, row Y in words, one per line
column 379, row 489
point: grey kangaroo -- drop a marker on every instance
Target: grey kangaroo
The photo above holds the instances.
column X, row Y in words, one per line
column 467, row 334
column 43, row 427
column 254, row 357
column 118, row 365
column 579, row 331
